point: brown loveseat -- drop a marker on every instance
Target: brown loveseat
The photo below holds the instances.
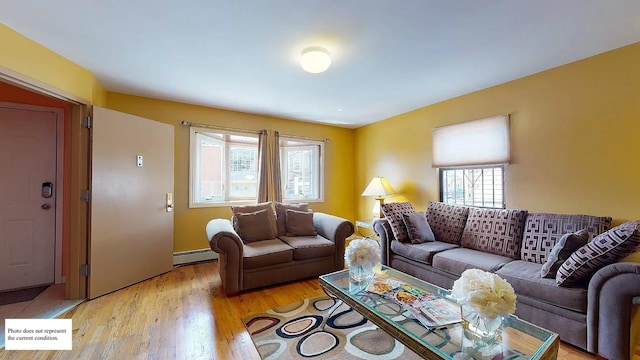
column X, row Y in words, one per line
column 260, row 247
column 587, row 299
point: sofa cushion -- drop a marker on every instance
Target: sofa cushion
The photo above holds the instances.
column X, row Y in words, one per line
column 543, row 230
column 243, row 209
column 393, row 213
column 496, row 231
column 309, row 247
column 264, row 253
column 423, row 252
column 525, row 278
column 566, row 246
column 256, row 226
column 281, row 214
column 456, row 261
column 447, row 221
column 299, row 223
column 604, row 249
column 418, row 229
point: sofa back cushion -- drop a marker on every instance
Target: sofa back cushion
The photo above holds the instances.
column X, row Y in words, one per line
column 393, row 213
column 496, row 231
column 542, row 231
column 447, row 221
column 281, row 214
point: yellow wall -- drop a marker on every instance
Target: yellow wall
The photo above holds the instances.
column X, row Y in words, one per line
column 573, row 135
column 26, row 57
column 190, row 223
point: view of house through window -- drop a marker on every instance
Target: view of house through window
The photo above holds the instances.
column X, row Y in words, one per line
column 224, row 168
column 479, row 186
column 301, row 169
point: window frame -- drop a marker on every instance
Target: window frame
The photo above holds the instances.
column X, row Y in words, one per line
column 195, row 171
column 441, row 176
column 284, row 166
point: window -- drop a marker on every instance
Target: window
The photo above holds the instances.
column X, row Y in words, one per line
column 224, row 167
column 478, row 186
column 467, row 154
column 301, row 169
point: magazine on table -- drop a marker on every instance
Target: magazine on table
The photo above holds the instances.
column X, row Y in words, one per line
column 430, row 309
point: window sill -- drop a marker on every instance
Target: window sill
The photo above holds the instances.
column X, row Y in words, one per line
column 220, row 204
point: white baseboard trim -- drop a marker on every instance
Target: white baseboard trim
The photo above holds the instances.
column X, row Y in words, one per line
column 192, row 256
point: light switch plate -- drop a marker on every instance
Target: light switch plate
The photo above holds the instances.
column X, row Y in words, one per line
column 139, row 160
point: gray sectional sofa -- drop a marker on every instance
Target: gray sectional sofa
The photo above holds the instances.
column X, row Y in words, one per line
column 587, row 295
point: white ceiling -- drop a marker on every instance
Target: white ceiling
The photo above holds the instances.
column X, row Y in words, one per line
column 389, row 56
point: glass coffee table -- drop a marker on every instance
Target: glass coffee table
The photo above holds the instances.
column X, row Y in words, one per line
column 518, row 339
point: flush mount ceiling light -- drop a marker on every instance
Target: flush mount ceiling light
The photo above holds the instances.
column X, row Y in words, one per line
column 315, row 59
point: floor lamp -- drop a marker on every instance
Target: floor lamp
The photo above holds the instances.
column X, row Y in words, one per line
column 378, row 187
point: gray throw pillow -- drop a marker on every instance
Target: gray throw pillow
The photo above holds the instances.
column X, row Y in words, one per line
column 244, row 209
column 281, row 214
column 300, row 223
column 256, row 226
column 561, row 251
column 418, row 228
column 393, row 213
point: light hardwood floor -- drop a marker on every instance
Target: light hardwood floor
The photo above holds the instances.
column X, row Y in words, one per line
column 182, row 314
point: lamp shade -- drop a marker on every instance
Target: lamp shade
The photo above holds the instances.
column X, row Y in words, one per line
column 378, row 187
column 315, row 59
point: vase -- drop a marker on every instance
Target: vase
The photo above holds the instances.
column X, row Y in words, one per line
column 361, row 273
column 479, row 327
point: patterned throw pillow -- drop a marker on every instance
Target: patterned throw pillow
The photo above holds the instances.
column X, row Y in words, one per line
column 566, row 246
column 496, row 231
column 604, row 249
column 393, row 213
column 447, row 221
column 542, row 231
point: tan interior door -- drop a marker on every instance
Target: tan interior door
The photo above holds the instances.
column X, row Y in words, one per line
column 131, row 227
column 27, row 213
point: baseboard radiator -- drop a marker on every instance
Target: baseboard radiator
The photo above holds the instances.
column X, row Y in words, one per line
column 193, row 256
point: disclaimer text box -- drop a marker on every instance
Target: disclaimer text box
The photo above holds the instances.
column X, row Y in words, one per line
column 38, row 334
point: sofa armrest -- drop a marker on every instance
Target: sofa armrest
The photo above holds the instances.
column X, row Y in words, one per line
column 612, row 292
column 335, row 229
column 225, row 241
column 382, row 228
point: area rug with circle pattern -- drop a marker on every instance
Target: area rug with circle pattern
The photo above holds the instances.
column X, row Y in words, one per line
column 302, row 330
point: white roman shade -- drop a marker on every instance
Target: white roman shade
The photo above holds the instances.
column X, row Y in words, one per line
column 476, row 142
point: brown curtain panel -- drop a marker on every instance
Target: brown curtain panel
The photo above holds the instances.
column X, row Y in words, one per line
column 269, row 188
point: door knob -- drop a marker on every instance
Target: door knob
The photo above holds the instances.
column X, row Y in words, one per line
column 45, row 206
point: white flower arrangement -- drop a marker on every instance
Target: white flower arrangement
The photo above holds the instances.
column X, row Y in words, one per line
column 485, row 293
column 362, row 252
